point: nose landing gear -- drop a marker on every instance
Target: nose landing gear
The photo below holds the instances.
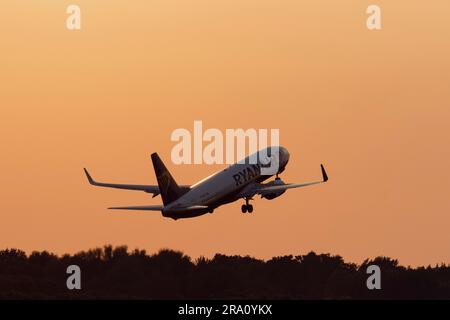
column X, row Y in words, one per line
column 247, row 207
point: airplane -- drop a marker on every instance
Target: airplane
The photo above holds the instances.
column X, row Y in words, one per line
column 242, row 180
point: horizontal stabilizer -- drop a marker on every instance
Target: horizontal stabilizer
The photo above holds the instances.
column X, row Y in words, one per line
column 148, row 208
column 324, row 174
column 286, row 186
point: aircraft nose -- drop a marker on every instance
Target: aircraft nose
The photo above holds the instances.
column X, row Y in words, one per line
column 284, row 156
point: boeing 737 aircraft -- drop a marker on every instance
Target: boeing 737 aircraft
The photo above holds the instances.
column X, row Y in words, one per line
column 242, row 180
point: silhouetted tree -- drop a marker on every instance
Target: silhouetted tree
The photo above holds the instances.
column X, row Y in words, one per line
column 117, row 273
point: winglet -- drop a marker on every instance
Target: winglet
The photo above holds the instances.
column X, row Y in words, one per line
column 324, row 174
column 91, row 181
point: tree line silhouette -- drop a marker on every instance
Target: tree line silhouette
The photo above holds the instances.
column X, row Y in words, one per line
column 117, row 273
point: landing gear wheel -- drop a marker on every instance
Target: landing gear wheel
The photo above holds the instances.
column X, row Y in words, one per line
column 244, row 208
column 250, row 208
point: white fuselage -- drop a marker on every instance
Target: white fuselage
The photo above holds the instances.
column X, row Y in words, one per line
column 227, row 185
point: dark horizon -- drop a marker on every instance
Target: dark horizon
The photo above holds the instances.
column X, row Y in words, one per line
column 118, row 273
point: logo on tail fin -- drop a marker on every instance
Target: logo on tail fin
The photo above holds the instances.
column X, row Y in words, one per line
column 169, row 189
column 164, row 180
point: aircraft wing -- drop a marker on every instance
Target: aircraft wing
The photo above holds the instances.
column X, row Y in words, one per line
column 265, row 189
column 154, row 189
column 146, row 188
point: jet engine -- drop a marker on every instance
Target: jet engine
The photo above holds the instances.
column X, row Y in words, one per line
column 269, row 195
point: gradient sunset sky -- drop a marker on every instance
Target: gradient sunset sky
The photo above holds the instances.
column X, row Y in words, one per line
column 373, row 106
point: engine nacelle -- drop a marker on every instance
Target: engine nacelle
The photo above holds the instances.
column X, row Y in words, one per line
column 269, row 195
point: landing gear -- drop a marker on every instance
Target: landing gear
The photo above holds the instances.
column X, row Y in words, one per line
column 247, row 207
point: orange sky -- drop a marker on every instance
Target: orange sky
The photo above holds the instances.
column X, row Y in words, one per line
column 373, row 106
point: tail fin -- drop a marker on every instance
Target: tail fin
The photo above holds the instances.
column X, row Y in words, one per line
column 169, row 189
